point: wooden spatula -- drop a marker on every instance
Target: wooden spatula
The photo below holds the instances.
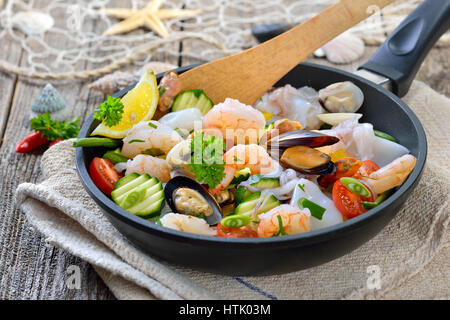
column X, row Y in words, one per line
column 246, row 76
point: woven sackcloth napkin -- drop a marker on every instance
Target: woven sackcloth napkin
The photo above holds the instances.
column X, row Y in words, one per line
column 411, row 255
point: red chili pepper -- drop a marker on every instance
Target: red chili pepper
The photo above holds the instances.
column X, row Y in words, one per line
column 31, row 142
column 55, row 141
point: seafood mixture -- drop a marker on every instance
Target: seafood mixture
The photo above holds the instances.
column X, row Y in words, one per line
column 297, row 160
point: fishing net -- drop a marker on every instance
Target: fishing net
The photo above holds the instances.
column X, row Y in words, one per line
column 75, row 46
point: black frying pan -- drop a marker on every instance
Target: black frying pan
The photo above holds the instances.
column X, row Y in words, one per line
column 395, row 63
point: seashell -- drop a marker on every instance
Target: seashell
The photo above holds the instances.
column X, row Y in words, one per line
column 341, row 97
column 293, row 138
column 156, row 66
column 176, row 189
column 334, row 119
column 32, row 22
column 49, row 100
column 114, row 82
column 343, row 49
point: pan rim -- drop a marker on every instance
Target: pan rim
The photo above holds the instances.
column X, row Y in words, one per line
column 305, row 238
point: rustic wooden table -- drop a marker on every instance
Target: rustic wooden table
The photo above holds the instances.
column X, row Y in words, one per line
column 29, row 269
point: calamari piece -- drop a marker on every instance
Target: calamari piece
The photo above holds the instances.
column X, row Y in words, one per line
column 153, row 166
column 295, row 104
column 186, row 223
column 150, row 137
column 183, row 120
column 391, row 175
column 293, row 221
column 237, row 122
column 312, row 192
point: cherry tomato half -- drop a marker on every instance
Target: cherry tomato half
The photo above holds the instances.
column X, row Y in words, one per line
column 346, row 167
column 242, row 232
column 347, row 202
column 103, row 174
column 367, row 167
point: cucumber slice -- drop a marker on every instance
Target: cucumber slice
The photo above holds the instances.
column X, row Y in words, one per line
column 261, row 182
column 240, row 176
column 195, row 98
column 141, row 195
column 128, row 178
column 240, row 194
column 252, row 200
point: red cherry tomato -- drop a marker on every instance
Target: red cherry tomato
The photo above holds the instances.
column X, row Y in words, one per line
column 347, row 202
column 367, row 167
column 346, row 167
column 242, row 232
column 55, row 141
column 103, row 174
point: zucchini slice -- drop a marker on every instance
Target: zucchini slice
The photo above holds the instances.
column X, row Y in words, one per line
column 194, row 98
column 141, row 195
column 248, row 205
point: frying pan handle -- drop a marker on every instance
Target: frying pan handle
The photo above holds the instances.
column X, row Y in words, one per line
column 400, row 56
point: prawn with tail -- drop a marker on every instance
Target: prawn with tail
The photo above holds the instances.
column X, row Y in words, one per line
column 287, row 218
column 250, row 156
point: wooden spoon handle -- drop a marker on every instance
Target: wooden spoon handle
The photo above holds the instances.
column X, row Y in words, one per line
column 247, row 75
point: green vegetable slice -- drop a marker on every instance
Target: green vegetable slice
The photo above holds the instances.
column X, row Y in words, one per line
column 236, row 221
column 115, row 156
column 370, row 205
column 384, row 135
column 355, row 186
column 97, row 142
column 195, row 98
column 316, row 210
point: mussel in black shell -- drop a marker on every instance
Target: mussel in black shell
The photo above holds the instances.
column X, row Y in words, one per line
column 308, row 138
column 307, row 160
column 186, row 196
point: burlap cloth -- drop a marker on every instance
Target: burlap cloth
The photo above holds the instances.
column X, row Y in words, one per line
column 412, row 252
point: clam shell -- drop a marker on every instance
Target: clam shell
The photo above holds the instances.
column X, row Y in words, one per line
column 185, row 182
column 345, row 48
column 32, row 22
column 341, row 97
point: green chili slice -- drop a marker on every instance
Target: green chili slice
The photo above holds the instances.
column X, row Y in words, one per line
column 281, row 229
column 236, row 221
column 370, row 205
column 355, row 186
column 316, row 210
column 384, row 135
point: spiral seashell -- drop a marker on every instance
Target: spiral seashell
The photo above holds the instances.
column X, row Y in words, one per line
column 114, row 82
column 343, row 49
column 32, row 22
column 49, row 100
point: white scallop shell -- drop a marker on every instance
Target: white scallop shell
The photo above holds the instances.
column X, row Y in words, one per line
column 345, row 48
column 32, row 22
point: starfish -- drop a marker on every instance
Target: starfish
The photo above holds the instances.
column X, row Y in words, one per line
column 151, row 17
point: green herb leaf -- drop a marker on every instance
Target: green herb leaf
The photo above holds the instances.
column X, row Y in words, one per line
column 316, row 210
column 161, row 91
column 207, row 159
column 302, row 187
column 158, row 221
column 154, row 126
column 110, row 112
column 53, row 129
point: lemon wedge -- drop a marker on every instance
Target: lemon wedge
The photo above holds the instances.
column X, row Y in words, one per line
column 139, row 104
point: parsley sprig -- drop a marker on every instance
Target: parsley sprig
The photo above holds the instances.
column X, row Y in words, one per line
column 207, row 159
column 53, row 129
column 110, row 112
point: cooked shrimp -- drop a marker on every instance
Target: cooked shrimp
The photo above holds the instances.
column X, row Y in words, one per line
column 250, row 156
column 172, row 87
column 153, row 166
column 237, row 122
column 149, row 137
column 293, row 221
column 391, row 175
column 186, row 223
